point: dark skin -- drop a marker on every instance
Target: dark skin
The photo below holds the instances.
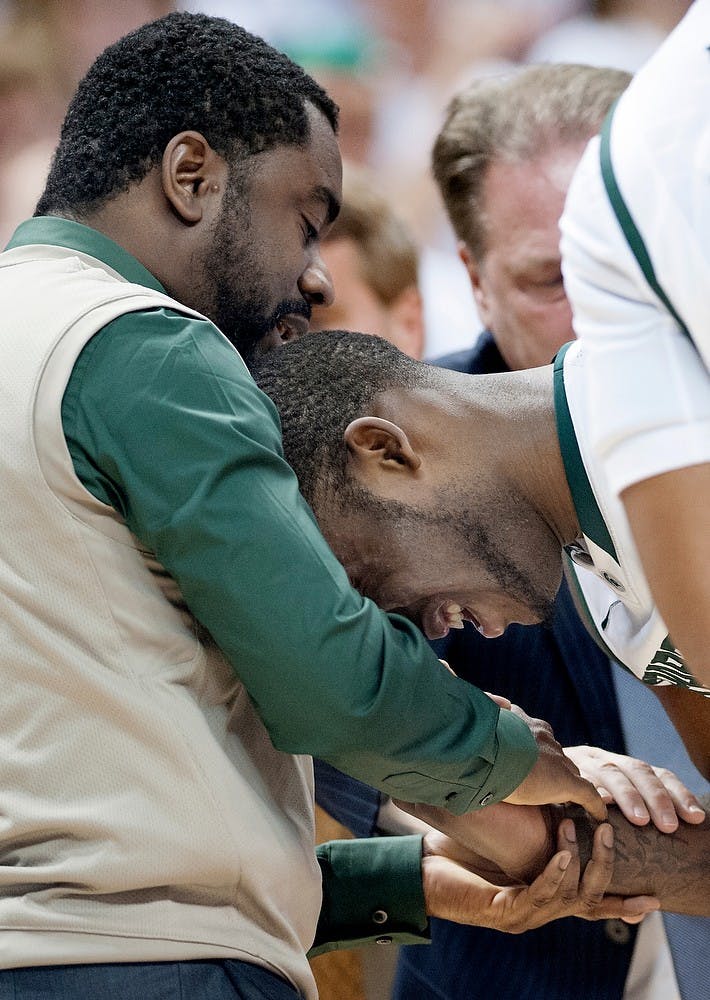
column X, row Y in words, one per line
column 293, row 194
column 455, row 449
column 215, row 253
column 512, row 844
column 216, row 248
column 568, row 884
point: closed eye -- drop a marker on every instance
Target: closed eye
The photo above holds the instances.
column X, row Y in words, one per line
column 310, row 233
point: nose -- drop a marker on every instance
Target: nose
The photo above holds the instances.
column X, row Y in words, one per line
column 316, row 284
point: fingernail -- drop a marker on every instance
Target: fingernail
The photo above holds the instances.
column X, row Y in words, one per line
column 571, row 834
column 640, row 812
column 608, row 836
column 696, row 809
column 669, row 819
column 564, row 860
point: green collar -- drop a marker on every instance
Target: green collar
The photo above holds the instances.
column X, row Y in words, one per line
column 49, row 230
column 590, row 517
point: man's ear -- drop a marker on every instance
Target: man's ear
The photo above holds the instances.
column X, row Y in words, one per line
column 191, row 173
column 377, row 444
column 478, row 286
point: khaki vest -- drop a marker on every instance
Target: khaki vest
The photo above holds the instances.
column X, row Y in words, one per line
column 144, row 813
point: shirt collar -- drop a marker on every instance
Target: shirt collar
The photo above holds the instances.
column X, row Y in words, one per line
column 50, row 230
column 590, row 517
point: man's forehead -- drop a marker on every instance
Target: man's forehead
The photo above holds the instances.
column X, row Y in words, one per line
column 303, row 173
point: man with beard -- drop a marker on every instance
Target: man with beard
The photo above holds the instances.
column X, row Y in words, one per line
column 453, row 497
column 177, row 635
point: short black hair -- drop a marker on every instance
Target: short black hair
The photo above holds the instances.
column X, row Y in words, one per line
column 183, row 71
column 319, row 383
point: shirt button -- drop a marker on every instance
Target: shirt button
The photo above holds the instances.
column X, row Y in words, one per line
column 380, row 916
column 617, row 931
column 486, row 799
column 613, row 582
column 383, row 940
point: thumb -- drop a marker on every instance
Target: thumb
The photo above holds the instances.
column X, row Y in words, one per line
column 585, row 794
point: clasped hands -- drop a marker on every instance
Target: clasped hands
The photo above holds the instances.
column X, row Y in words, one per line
column 516, row 865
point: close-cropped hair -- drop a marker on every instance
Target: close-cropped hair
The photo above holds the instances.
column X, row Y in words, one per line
column 319, row 383
column 181, row 72
column 514, row 119
column 388, row 258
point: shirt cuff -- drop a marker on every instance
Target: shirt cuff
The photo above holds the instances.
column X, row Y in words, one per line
column 372, row 893
column 516, row 757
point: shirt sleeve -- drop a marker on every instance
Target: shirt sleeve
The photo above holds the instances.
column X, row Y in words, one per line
column 372, row 892
column 164, row 423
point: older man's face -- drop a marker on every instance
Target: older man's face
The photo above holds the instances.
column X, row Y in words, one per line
column 518, row 283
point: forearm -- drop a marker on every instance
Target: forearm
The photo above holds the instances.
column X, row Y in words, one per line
column 674, row 867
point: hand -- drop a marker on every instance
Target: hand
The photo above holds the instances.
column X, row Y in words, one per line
column 504, row 843
column 641, row 791
column 453, row 892
column 554, row 778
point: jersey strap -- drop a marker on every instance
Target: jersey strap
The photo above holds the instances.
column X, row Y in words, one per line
column 591, row 520
column 625, row 220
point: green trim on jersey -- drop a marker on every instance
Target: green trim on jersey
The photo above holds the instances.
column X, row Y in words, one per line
column 590, row 517
column 625, row 220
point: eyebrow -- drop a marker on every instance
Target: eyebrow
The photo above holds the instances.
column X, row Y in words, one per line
column 324, row 194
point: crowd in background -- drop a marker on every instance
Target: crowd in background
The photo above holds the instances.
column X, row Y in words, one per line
column 392, row 66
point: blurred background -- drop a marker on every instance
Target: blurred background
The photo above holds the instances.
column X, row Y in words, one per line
column 391, row 65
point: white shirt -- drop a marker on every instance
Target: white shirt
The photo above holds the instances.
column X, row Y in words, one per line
column 647, row 380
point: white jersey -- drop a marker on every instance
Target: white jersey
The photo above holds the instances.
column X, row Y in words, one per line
column 636, row 265
column 605, row 571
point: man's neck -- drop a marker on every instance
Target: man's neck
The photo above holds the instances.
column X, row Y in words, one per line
column 515, row 415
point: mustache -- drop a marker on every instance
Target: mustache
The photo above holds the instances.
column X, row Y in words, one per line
column 254, row 327
column 290, row 307
column 260, row 326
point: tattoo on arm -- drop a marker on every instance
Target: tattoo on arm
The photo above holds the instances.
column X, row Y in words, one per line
column 673, row 866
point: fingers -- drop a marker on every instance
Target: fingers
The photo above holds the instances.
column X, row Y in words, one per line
column 638, row 794
column 641, row 791
column 585, row 794
column 600, row 868
column 557, row 873
column 555, row 777
column 630, row 909
column 686, row 804
column 635, row 908
column 500, row 700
